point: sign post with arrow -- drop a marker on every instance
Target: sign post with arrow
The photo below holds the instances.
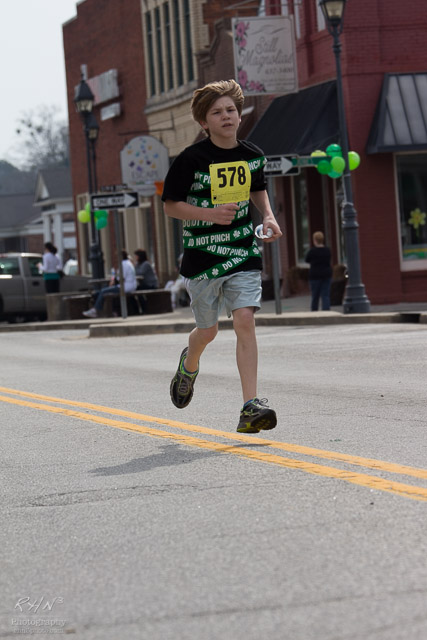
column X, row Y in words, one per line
column 281, row 166
column 115, row 200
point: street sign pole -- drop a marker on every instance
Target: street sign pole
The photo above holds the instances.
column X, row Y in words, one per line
column 275, row 254
column 113, row 202
column 123, row 303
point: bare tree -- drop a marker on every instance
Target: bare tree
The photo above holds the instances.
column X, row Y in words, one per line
column 44, row 140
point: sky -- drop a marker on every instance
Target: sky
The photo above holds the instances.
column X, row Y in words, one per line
column 32, row 63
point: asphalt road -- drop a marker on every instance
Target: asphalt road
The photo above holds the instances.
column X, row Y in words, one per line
column 123, row 517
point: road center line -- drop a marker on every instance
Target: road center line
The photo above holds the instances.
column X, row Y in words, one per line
column 364, row 480
column 368, row 463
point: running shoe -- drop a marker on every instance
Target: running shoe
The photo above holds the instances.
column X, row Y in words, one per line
column 256, row 416
column 182, row 385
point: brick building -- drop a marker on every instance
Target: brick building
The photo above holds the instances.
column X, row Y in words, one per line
column 384, row 64
column 104, row 43
column 162, row 50
column 141, row 61
column 184, row 47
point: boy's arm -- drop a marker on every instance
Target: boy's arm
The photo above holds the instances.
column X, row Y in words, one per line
column 224, row 214
column 261, row 201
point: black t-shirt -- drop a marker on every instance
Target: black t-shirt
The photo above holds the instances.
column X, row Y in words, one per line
column 319, row 259
column 213, row 250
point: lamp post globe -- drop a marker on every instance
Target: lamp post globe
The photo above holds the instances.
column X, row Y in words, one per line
column 333, row 11
column 92, row 127
column 355, row 298
column 84, row 97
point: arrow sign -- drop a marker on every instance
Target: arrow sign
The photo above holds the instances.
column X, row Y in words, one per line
column 115, row 200
column 281, row 165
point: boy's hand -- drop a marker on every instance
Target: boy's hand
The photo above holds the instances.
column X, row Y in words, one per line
column 270, row 222
column 224, row 214
column 274, row 228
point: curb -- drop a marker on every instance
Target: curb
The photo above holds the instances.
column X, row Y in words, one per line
column 102, row 328
column 296, row 319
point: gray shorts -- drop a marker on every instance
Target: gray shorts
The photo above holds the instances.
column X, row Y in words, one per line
column 208, row 297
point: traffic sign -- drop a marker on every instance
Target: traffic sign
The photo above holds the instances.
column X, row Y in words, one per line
column 115, row 200
column 281, row 165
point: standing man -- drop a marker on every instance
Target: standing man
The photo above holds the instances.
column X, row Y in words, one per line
column 208, row 187
column 320, row 274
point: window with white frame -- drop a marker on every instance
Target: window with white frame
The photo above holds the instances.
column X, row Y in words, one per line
column 320, row 17
column 168, row 45
column 412, row 183
column 301, row 217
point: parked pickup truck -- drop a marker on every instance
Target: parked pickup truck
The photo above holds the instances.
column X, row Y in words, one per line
column 22, row 290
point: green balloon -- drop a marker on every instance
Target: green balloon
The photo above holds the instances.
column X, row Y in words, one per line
column 100, row 213
column 334, row 150
column 317, row 154
column 324, row 167
column 334, row 174
column 87, row 207
column 353, row 160
column 101, row 223
column 338, row 164
column 83, row 216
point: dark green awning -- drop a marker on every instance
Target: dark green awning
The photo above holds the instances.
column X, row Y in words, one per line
column 299, row 123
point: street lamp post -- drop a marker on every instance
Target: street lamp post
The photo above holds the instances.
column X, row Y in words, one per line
column 84, row 100
column 355, row 299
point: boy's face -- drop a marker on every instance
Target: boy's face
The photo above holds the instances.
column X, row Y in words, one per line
column 222, row 122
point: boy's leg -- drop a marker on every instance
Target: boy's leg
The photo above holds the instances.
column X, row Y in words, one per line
column 182, row 385
column 197, row 343
column 205, row 306
column 255, row 415
column 246, row 351
column 242, row 293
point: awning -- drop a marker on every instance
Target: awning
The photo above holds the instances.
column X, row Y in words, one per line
column 400, row 122
column 299, row 123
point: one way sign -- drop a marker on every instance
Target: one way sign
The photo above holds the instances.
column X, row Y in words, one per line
column 281, row 165
column 115, row 200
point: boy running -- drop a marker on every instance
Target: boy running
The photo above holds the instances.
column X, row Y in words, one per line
column 208, row 187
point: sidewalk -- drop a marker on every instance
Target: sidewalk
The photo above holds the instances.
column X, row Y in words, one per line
column 295, row 311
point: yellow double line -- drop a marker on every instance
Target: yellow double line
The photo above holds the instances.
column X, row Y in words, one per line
column 361, row 479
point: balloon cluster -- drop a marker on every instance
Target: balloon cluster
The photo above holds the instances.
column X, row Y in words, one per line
column 333, row 164
column 101, row 216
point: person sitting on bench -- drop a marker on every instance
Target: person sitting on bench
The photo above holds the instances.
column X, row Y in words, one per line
column 146, row 276
column 129, row 282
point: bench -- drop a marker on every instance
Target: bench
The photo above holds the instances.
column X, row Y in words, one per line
column 57, row 305
column 145, row 301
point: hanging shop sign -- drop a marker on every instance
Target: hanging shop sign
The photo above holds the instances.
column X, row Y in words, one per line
column 264, row 55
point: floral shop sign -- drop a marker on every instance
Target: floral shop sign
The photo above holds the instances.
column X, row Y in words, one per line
column 264, row 55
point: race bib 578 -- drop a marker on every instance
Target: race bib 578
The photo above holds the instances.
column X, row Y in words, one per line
column 230, row 182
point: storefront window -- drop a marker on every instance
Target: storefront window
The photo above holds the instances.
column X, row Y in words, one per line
column 301, row 217
column 412, row 180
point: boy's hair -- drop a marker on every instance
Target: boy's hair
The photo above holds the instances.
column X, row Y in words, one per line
column 318, row 237
column 204, row 98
